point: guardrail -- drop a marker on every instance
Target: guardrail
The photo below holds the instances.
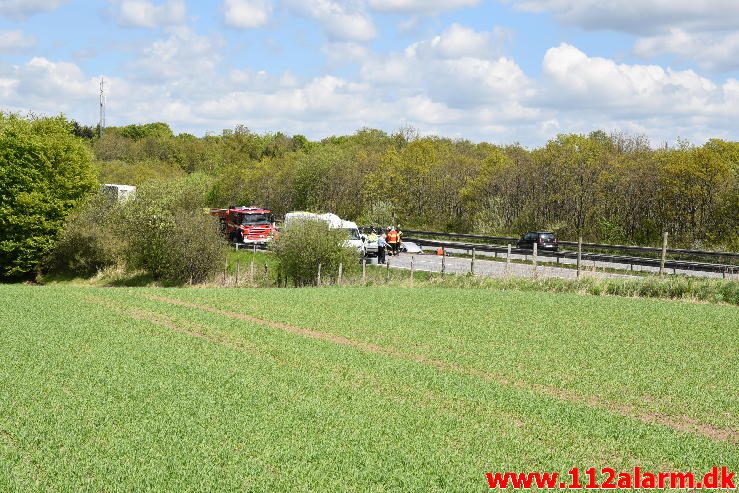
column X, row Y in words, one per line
column 725, row 269
column 602, row 246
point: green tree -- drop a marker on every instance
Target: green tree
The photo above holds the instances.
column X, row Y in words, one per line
column 156, row 130
column 44, row 172
column 169, row 234
column 308, row 243
column 92, row 238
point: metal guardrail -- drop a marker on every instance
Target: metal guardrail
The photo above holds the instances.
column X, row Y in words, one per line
column 597, row 257
column 624, row 248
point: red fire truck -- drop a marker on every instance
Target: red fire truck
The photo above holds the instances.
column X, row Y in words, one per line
column 246, row 225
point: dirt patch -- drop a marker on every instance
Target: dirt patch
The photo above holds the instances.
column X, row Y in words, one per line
column 679, row 423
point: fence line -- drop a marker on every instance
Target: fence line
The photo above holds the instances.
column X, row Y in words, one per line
column 600, row 246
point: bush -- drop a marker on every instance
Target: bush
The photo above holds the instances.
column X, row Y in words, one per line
column 307, row 243
column 195, row 252
column 169, row 234
column 91, row 239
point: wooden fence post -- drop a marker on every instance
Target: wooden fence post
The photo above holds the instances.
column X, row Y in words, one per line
column 341, row 272
column 225, row 270
column 364, row 271
column 318, row 279
column 664, row 254
column 238, row 271
column 534, row 262
column 443, row 261
column 472, row 263
column 266, row 272
column 508, row 261
column 579, row 255
column 412, row 257
column 387, row 270
column 251, row 272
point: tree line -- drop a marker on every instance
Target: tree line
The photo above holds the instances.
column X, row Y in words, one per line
column 611, row 188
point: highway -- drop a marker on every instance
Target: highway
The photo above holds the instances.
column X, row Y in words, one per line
column 624, row 263
column 459, row 265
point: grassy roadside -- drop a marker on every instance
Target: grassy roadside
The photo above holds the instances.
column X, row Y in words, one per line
column 238, row 273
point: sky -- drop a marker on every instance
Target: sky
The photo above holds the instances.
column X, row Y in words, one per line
column 500, row 71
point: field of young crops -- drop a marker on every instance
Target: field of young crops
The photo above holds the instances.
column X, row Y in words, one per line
column 359, row 389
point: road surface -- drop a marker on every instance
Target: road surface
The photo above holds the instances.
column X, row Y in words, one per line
column 599, row 265
column 491, row 268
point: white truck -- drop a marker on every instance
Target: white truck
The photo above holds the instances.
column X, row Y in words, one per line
column 354, row 238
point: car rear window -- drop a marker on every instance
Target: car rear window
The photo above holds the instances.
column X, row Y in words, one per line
column 547, row 237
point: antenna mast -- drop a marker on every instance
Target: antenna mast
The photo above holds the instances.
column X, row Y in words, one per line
column 101, row 124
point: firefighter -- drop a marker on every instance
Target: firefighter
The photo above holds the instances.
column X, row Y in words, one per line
column 392, row 241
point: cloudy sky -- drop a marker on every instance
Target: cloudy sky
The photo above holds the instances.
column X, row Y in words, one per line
column 496, row 70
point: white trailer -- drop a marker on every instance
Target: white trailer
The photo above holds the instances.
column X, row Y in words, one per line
column 121, row 193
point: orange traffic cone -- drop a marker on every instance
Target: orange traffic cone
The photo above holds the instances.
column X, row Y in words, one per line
column 440, row 252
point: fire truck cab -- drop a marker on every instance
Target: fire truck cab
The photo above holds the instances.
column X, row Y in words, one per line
column 246, row 225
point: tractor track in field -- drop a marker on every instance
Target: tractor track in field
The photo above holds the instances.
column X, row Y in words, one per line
column 683, row 424
column 190, row 329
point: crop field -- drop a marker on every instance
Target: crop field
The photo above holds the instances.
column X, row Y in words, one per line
column 355, row 389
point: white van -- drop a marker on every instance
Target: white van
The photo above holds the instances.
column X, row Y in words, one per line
column 354, row 238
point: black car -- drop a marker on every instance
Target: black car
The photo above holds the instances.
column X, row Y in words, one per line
column 545, row 240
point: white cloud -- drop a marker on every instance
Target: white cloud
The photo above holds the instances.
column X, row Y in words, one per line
column 642, row 17
column 146, row 14
column 456, row 84
column 340, row 53
column 183, row 56
column 460, row 41
column 601, row 86
column 15, row 41
column 20, row 9
column 711, row 50
column 339, row 22
column 461, row 67
column 246, row 14
column 420, row 6
column 41, row 85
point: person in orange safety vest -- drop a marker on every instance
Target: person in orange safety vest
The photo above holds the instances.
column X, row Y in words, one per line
column 392, row 240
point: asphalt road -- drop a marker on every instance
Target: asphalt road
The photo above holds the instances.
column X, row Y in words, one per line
column 456, row 265
column 588, row 264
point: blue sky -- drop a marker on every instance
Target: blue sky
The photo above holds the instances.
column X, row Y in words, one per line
column 498, row 70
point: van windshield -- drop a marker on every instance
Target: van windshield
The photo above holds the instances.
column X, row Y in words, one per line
column 353, row 234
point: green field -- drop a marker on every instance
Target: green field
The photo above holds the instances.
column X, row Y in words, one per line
column 359, row 389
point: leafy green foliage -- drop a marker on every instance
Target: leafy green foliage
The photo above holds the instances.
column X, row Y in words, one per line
column 606, row 187
column 164, row 232
column 91, row 239
column 169, row 234
column 306, row 244
column 137, row 132
column 138, row 172
column 44, row 172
